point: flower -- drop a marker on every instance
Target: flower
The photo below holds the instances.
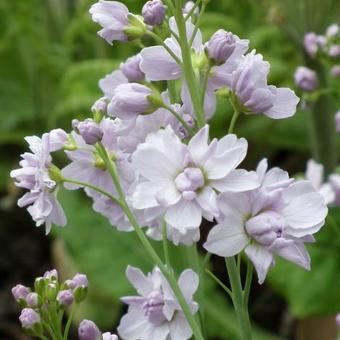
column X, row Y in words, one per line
column 29, row 318
column 129, row 100
column 333, row 30
column 315, row 174
column 334, row 180
column 189, row 5
column 223, row 44
column 337, row 121
column 155, row 313
column 131, row 69
column 335, row 71
column 65, row 297
column 275, row 219
column 154, row 12
column 20, row 292
column 249, row 83
column 88, row 330
column 90, row 131
column 34, row 176
column 311, row 44
column 117, row 22
column 306, row 79
column 182, row 180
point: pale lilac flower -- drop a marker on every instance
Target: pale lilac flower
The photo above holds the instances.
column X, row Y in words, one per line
column 335, row 71
column 315, row 174
column 90, row 131
column 306, row 79
column 222, row 45
column 276, row 219
column 20, row 292
column 337, row 320
column 109, row 336
column 65, row 298
column 88, row 330
column 34, row 176
column 334, row 180
column 182, row 180
column 110, row 82
column 337, row 122
column 311, row 44
column 79, row 280
column 131, row 69
column 156, row 314
column 129, row 100
column 57, row 139
column 154, row 12
column 332, row 30
column 100, row 105
column 32, row 300
column 29, row 318
column 249, row 83
column 113, row 17
column 189, row 5
column 334, row 51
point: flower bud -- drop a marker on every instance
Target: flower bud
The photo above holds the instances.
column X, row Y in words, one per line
column 65, row 298
column 131, row 99
column 337, row 122
column 51, row 291
column 80, row 280
column 311, row 44
column 335, row 71
column 154, row 12
column 29, row 318
column 189, row 6
column 221, row 46
column 88, row 330
column 306, row 79
column 334, row 51
column 131, row 69
column 90, row 131
column 100, row 106
column 20, row 292
column 32, row 300
column 333, row 30
column 52, row 275
column 58, row 138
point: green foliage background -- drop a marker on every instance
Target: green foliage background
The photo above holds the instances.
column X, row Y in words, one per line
column 50, row 62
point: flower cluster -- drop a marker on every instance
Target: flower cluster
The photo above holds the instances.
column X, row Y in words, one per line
column 48, row 299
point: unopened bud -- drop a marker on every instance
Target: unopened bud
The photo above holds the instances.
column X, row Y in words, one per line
column 65, row 298
column 32, row 300
column 88, row 330
column 131, row 69
column 20, row 292
column 154, row 12
column 29, row 318
column 90, row 131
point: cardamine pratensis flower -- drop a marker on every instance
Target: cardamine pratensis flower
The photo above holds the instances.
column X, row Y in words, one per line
column 154, row 12
column 131, row 69
column 306, row 79
column 88, row 330
column 155, row 313
column 275, row 219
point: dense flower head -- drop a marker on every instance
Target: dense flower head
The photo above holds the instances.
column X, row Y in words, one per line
column 34, row 176
column 181, row 181
column 306, row 79
column 275, row 219
column 156, row 313
column 154, row 12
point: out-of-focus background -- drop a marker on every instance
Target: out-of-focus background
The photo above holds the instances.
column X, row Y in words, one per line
column 50, row 62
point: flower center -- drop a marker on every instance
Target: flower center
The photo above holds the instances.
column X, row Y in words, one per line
column 189, row 181
column 153, row 308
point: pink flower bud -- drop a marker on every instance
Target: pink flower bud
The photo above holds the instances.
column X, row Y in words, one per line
column 306, row 79
column 154, row 12
column 29, row 318
column 90, row 131
column 89, row 331
column 131, row 69
column 32, row 300
column 65, row 297
column 20, row 292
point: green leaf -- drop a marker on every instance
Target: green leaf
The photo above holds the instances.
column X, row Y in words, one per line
column 316, row 292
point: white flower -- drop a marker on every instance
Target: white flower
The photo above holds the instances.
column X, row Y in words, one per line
column 156, row 313
column 182, row 180
column 277, row 219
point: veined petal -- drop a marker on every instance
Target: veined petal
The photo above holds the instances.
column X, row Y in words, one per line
column 296, row 253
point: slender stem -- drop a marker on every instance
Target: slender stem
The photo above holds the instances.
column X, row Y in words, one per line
column 90, row 186
column 247, row 286
column 180, row 119
column 220, row 283
column 69, row 322
column 205, row 85
column 165, row 245
column 233, row 121
column 160, row 41
column 170, row 5
column 172, row 91
column 237, row 297
column 188, row 70
column 168, row 274
column 43, row 337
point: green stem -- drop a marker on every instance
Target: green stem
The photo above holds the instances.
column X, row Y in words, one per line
column 180, row 119
column 323, row 132
column 220, row 283
column 233, row 121
column 247, row 286
column 188, row 70
column 69, row 322
column 237, row 297
column 160, row 41
column 172, row 91
column 165, row 245
column 168, row 274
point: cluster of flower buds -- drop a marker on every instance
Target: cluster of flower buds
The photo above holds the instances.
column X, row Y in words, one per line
column 47, row 299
